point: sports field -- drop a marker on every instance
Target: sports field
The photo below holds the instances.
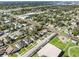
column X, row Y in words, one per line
column 56, row 41
column 73, row 51
column 63, row 46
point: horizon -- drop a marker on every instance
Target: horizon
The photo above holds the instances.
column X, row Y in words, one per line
column 36, row 0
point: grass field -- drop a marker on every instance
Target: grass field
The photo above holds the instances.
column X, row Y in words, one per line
column 63, row 46
column 22, row 50
column 70, row 44
column 56, row 41
column 74, row 52
column 12, row 55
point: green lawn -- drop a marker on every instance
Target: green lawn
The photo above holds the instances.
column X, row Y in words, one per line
column 56, row 41
column 12, row 55
column 74, row 52
column 70, row 44
column 60, row 45
column 63, row 46
column 22, row 50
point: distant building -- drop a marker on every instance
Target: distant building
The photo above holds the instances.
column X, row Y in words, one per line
column 49, row 50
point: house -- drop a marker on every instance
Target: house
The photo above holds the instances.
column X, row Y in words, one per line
column 36, row 36
column 15, row 50
column 74, row 41
column 78, row 35
column 49, row 50
column 19, row 25
column 20, row 44
column 63, row 39
column 6, row 31
column 5, row 40
column 31, row 38
column 2, row 51
column 9, row 49
column 1, row 43
column 24, row 25
column 43, row 32
column 27, row 41
column 7, row 21
column 13, row 37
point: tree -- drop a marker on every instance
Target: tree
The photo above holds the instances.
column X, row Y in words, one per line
column 75, row 31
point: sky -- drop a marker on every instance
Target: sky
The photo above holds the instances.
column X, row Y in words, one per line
column 39, row 0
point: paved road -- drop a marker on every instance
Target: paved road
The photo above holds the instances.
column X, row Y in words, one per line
column 39, row 46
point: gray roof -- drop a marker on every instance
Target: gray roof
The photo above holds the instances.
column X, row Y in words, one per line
column 15, row 50
column 2, row 51
column 28, row 41
column 21, row 43
column 1, row 43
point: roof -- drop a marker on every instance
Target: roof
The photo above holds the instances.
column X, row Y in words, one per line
column 28, row 41
column 2, row 51
column 1, row 43
column 9, row 49
column 1, row 33
column 21, row 44
column 49, row 50
column 13, row 37
column 15, row 50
